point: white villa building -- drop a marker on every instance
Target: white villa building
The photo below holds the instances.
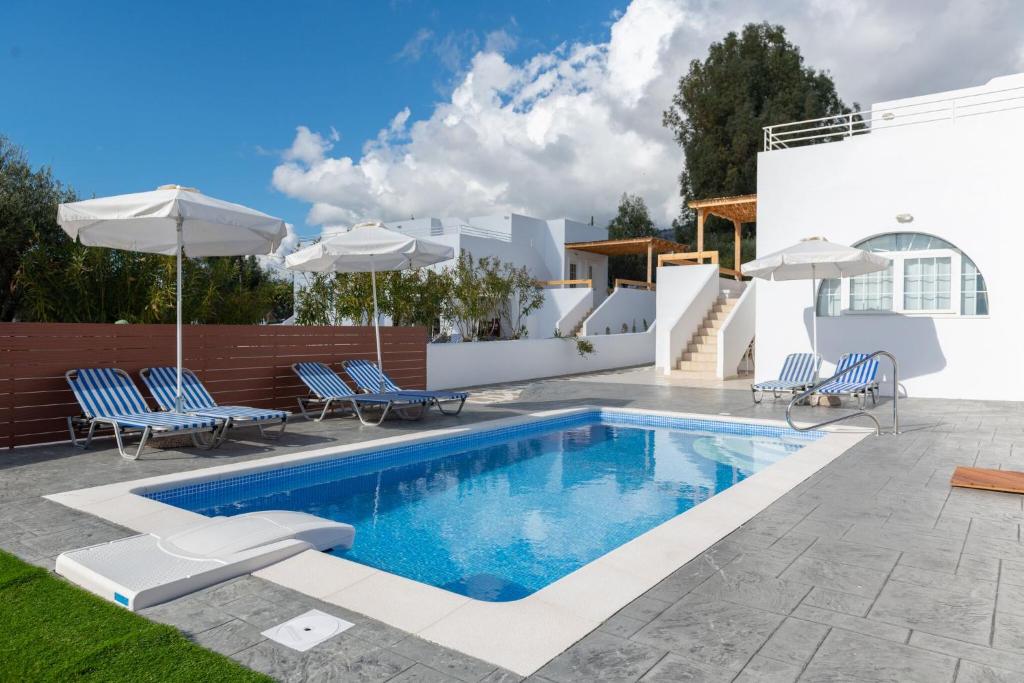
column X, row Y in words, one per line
column 926, row 181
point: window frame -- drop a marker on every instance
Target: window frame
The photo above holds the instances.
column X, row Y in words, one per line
column 899, row 259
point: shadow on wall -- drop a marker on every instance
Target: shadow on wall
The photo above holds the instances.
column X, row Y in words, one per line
column 913, row 340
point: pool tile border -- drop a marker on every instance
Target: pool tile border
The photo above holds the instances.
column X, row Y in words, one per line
column 522, row 635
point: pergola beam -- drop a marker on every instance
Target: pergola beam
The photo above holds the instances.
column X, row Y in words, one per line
column 739, row 210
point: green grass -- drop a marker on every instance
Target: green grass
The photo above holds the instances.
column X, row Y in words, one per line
column 53, row 631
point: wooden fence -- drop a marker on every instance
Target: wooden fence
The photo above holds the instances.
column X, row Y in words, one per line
column 239, row 364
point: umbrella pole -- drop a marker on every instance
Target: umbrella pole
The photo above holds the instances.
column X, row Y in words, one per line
column 178, row 403
column 376, row 328
column 814, row 312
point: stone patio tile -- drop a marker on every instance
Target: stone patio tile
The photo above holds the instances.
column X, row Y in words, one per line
column 229, row 638
column 418, row 673
column 957, row 612
column 756, row 590
column 857, row 554
column 978, row 568
column 994, row 547
column 1012, row 572
column 972, row 672
column 1004, row 530
column 454, row 665
column 1013, row 661
column 644, row 608
column 260, row 612
column 621, row 625
column 851, row 656
column 277, row 661
column 765, row 670
column 501, row 676
column 846, row 578
column 877, row 629
column 721, row 634
column 675, row 669
column 836, row 601
column 794, row 641
column 346, row 658
column 683, row 580
column 943, row 581
column 603, row 657
column 187, row 614
column 930, row 558
column 902, row 537
column 1008, row 631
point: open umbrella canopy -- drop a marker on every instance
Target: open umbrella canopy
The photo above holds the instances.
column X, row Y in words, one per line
column 148, row 222
column 368, row 247
column 815, row 258
column 172, row 220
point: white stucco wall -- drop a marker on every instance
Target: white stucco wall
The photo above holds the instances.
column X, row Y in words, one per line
column 560, row 305
column 475, row 363
column 958, row 181
column 623, row 306
column 684, row 296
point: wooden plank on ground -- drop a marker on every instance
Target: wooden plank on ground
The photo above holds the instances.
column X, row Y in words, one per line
column 988, row 480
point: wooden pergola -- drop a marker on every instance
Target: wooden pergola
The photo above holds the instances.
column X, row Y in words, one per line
column 739, row 209
column 632, row 245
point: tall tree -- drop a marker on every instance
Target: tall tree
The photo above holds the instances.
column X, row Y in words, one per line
column 28, row 217
column 632, row 220
column 748, row 80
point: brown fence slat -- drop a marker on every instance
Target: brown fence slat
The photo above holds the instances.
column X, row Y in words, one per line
column 240, row 364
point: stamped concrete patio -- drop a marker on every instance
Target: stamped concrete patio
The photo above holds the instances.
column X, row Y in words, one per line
column 873, row 569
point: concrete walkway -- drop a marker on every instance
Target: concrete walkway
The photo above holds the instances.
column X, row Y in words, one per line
column 873, row 569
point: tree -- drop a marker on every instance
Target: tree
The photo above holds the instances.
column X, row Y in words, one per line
column 28, row 217
column 47, row 277
column 632, row 220
column 748, row 80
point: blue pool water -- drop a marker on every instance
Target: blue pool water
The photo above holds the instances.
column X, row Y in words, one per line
column 501, row 514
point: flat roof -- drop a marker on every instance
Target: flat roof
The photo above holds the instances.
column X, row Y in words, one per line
column 632, row 245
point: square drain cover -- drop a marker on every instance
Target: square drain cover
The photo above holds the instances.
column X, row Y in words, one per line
column 307, row 630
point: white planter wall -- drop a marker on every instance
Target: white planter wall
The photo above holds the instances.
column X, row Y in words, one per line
column 562, row 308
column 475, row 363
column 622, row 307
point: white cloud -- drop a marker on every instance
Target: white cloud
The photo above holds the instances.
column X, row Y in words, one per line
column 414, row 48
column 566, row 132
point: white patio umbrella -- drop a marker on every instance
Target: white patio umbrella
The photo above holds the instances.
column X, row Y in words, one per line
column 369, row 247
column 811, row 259
column 172, row 220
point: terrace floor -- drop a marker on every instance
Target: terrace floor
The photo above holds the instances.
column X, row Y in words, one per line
column 872, row 569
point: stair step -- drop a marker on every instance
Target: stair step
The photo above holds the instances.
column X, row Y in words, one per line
column 711, row 349
column 704, row 356
column 698, row 365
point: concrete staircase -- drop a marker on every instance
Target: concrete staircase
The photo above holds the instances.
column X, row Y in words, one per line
column 700, row 359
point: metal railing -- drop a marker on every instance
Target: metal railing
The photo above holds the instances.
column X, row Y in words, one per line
column 460, row 229
column 842, row 126
column 878, row 426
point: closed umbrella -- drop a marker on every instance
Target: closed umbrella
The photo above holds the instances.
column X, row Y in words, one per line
column 369, row 247
column 172, row 220
column 815, row 258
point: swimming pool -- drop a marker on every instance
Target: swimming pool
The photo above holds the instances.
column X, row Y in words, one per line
column 498, row 515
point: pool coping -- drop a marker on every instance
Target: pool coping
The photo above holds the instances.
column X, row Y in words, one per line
column 521, row 635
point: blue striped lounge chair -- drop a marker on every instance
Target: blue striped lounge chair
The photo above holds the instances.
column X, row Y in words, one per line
column 368, row 378
column 162, row 383
column 858, row 382
column 798, row 373
column 327, row 389
column 109, row 398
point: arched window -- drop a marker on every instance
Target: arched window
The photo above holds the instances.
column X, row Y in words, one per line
column 921, row 280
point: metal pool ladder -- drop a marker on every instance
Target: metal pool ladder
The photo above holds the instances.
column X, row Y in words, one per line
column 878, row 427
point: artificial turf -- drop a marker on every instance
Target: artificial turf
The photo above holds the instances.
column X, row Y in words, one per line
column 53, row 631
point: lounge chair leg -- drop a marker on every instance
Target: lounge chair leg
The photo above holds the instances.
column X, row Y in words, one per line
column 267, row 435
column 323, row 413
column 445, row 412
column 302, row 409
column 202, row 444
column 757, row 396
column 405, row 413
column 359, row 413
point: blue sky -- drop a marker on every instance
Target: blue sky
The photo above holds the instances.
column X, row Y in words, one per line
column 332, row 112
column 124, row 96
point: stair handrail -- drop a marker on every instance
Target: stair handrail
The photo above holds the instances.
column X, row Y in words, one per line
column 878, row 426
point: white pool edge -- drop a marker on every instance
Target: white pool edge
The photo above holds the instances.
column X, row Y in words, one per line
column 522, row 635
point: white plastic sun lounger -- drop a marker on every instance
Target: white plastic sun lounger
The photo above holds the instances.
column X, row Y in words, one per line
column 145, row 570
column 162, row 383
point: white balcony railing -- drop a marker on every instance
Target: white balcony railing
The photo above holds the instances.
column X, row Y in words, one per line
column 461, row 229
column 835, row 128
